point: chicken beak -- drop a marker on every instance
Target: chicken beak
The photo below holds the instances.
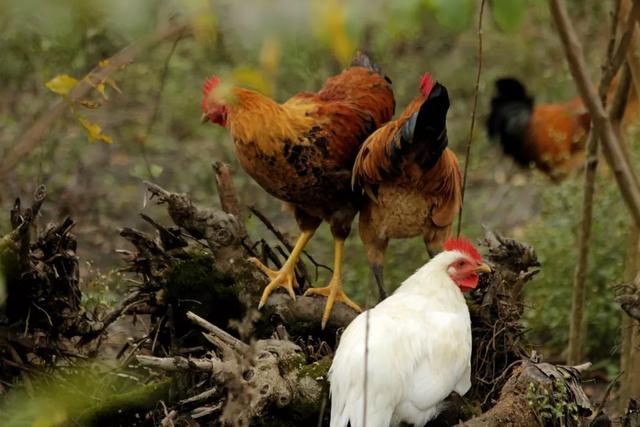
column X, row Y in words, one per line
column 204, row 118
column 483, row 268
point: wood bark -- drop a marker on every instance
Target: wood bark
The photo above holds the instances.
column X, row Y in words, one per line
column 630, row 329
column 613, row 60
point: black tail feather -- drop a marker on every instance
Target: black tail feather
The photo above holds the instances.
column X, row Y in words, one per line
column 425, row 133
column 508, row 121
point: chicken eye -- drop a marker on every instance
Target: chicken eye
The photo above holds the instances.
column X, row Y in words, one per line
column 460, row 263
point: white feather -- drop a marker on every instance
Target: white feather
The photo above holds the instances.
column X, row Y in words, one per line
column 419, row 352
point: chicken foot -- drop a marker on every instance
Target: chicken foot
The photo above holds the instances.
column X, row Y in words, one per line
column 286, row 276
column 333, row 291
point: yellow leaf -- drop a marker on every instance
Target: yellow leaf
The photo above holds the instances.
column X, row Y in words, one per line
column 103, row 63
column 331, row 28
column 270, row 56
column 203, row 20
column 62, row 84
column 94, row 131
column 100, row 88
column 87, row 103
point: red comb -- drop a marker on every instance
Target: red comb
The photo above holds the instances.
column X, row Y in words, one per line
column 464, row 246
column 209, row 85
column 426, row 84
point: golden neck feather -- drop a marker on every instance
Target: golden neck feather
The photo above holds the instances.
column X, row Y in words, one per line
column 255, row 118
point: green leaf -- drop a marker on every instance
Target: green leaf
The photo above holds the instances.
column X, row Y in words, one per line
column 455, row 15
column 508, row 14
column 61, row 84
column 156, row 170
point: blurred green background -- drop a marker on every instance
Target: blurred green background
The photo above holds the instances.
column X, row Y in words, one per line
column 283, row 47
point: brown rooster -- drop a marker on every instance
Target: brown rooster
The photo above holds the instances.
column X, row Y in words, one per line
column 552, row 137
column 411, row 177
column 302, row 152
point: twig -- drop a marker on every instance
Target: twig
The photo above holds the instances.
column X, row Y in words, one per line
column 286, row 241
column 227, row 338
column 625, row 41
column 156, row 106
column 167, row 421
column 180, row 363
column 633, row 54
column 610, row 67
column 35, row 134
column 203, row 411
column 121, row 308
column 473, row 117
column 200, row 396
column 584, row 237
column 613, row 151
column 227, row 191
column 607, row 392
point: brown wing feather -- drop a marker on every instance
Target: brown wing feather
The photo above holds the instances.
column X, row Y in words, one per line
column 349, row 107
column 444, row 183
column 373, row 158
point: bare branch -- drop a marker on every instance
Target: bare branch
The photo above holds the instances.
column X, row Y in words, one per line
column 613, row 151
column 227, row 338
column 179, row 363
column 473, row 116
column 35, row 134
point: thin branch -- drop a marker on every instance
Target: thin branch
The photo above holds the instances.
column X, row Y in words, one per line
column 227, row 338
column 633, row 54
column 200, row 396
column 591, row 164
column 156, row 107
column 473, row 117
column 623, row 47
column 614, row 154
column 227, row 191
column 288, row 244
column 35, row 134
column 179, row 363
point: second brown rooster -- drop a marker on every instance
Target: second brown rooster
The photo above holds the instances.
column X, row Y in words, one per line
column 412, row 179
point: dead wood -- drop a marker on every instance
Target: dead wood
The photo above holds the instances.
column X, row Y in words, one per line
column 42, row 318
column 628, row 296
column 265, row 374
column 233, row 365
column 538, row 394
column 496, row 310
column 227, row 192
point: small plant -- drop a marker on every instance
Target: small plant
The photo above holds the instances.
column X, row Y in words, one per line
column 553, row 407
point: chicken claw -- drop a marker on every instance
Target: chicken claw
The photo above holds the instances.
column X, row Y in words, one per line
column 333, row 292
column 285, row 278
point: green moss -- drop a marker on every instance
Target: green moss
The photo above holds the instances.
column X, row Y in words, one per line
column 316, row 369
column 194, row 284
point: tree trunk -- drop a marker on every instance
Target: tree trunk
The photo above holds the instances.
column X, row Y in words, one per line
column 630, row 352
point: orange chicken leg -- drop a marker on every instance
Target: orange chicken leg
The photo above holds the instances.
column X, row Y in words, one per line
column 333, row 291
column 286, row 276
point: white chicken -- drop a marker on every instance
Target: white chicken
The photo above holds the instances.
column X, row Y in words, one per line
column 419, row 346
